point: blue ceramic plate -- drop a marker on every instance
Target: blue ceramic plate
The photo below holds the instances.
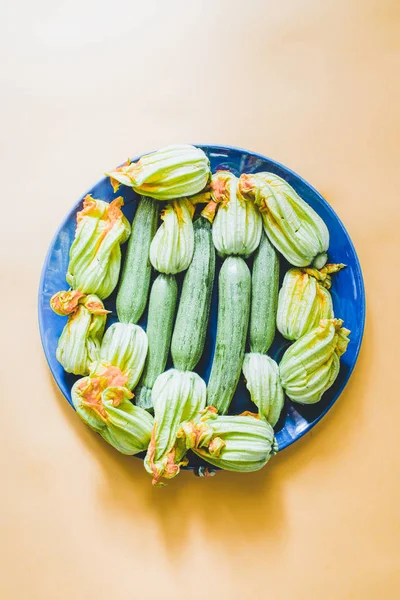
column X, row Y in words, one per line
column 347, row 292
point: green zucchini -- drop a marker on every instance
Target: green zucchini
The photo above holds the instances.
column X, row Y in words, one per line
column 135, row 279
column 234, row 290
column 160, row 321
column 194, row 306
column 264, row 297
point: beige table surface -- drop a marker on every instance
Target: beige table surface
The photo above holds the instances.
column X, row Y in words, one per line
column 85, row 84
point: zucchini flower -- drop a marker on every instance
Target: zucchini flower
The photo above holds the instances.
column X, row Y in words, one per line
column 291, row 224
column 237, row 224
column 102, row 401
column 177, row 396
column 262, row 380
column 234, row 443
column 304, row 300
column 95, row 254
column 310, row 366
column 171, row 250
column 124, row 346
column 79, row 343
column 171, row 172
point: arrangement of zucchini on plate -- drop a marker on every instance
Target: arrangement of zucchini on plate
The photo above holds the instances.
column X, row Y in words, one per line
column 201, row 307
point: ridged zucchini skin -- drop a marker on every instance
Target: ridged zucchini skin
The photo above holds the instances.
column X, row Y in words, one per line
column 234, row 294
column 264, row 297
column 134, row 285
column 194, row 306
column 160, row 322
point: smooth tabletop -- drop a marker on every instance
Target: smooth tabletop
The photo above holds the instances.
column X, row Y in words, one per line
column 314, row 85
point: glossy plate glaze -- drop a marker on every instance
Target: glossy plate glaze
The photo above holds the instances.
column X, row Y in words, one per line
column 347, row 292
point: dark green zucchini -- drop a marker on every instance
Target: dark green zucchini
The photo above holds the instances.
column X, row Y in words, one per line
column 234, row 289
column 135, row 279
column 160, row 322
column 264, row 296
column 194, row 305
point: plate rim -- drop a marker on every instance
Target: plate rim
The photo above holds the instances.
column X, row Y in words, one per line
column 290, row 171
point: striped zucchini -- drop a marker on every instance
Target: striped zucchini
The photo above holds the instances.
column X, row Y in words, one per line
column 194, row 306
column 234, row 290
column 160, row 321
column 135, row 279
column 264, row 297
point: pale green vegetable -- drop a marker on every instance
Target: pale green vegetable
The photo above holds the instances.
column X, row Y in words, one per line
column 79, row 343
column 177, row 396
column 171, row 172
column 125, row 346
column 310, row 366
column 234, row 443
column 262, row 380
column 304, row 300
column 237, row 224
column 102, row 401
column 95, row 254
column 171, row 250
column 291, row 224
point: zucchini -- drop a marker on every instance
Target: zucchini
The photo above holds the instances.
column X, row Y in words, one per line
column 135, row 279
column 194, row 306
column 234, row 290
column 160, row 321
column 264, row 297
